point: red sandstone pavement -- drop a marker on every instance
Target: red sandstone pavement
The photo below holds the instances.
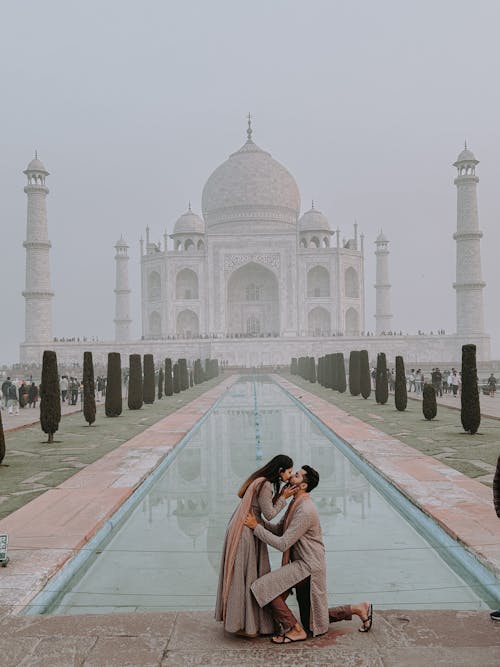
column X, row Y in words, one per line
column 460, row 505
column 63, row 519
column 48, row 531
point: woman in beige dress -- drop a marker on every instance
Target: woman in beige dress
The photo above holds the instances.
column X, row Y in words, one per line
column 244, row 557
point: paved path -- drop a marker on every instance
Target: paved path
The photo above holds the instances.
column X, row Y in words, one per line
column 398, row 639
column 490, row 406
column 31, row 416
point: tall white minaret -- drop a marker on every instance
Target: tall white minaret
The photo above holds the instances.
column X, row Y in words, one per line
column 469, row 282
column 122, row 291
column 383, row 315
column 38, row 293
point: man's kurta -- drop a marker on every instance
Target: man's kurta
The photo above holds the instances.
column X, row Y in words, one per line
column 305, row 539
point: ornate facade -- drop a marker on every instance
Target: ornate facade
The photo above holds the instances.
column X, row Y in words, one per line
column 250, row 266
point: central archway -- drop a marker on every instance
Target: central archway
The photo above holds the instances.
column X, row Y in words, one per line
column 253, row 307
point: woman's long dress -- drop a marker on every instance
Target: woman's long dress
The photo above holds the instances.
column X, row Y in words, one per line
column 243, row 614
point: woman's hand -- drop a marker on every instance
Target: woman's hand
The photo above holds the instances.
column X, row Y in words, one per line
column 250, row 521
column 288, row 491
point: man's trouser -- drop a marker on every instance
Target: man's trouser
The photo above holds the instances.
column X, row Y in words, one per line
column 281, row 613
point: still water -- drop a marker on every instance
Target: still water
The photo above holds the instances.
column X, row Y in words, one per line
column 165, row 556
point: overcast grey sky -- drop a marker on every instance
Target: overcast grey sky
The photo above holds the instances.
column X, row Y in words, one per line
column 131, row 105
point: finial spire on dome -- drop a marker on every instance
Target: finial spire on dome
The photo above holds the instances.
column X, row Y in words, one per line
column 312, row 203
column 465, row 144
column 249, row 129
column 189, row 207
column 36, row 154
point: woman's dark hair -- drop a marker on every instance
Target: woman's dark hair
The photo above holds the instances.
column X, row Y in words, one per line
column 271, row 471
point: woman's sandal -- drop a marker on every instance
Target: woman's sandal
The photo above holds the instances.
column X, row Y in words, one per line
column 368, row 619
column 285, row 639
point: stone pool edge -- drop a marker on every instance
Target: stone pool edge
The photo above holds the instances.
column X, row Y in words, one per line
column 51, row 530
column 460, row 506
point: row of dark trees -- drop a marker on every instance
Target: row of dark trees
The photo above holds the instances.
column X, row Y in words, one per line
column 330, row 373
column 171, row 379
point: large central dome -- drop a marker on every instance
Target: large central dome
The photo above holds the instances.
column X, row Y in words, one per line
column 250, row 186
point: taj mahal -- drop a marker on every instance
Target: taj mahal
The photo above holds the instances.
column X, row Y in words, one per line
column 253, row 280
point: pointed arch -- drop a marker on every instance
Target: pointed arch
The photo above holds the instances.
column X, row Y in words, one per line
column 155, row 324
column 154, row 285
column 351, row 322
column 318, row 321
column 186, row 284
column 318, row 282
column 351, row 283
column 188, row 324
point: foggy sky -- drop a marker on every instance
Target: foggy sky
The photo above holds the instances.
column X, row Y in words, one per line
column 131, row 106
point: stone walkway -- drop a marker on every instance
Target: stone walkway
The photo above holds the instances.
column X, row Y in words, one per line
column 32, row 467
column 398, row 639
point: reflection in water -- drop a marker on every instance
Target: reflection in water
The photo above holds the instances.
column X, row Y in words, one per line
column 166, row 555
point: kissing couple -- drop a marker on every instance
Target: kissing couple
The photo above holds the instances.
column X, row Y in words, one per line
column 251, row 600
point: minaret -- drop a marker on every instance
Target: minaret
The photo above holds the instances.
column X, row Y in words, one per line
column 469, row 282
column 383, row 315
column 122, row 291
column 38, row 293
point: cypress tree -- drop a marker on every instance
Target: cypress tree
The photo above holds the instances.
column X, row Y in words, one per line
column 354, row 367
column 177, row 384
column 400, row 393
column 135, row 382
column 334, row 371
column 341, row 379
column 88, row 389
column 381, row 384
column 365, row 381
column 50, row 395
column 191, row 381
column 312, row 369
column 470, row 413
column 429, row 403
column 184, row 375
column 148, row 385
column 160, row 383
column 169, row 387
column 2, row 440
column 113, row 399
column 293, row 366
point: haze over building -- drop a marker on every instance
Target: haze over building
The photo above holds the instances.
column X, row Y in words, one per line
column 251, row 280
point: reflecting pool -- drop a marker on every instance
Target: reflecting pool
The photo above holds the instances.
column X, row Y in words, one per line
column 165, row 555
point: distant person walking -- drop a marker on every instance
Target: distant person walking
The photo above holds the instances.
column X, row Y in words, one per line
column 495, row 615
column 5, row 391
column 492, row 385
column 32, row 395
column 12, row 400
column 454, row 381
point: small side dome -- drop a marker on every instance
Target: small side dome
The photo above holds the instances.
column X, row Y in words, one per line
column 189, row 223
column 314, row 221
column 466, row 156
column 36, row 165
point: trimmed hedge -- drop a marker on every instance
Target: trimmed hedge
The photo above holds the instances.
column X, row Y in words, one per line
column 160, row 383
column 50, row 395
column 470, row 413
column 135, row 382
column 354, row 367
column 365, row 380
column 148, row 387
column 89, row 409
column 341, row 378
column 169, row 386
column 113, row 403
column 381, row 383
column 400, row 392
column 429, row 403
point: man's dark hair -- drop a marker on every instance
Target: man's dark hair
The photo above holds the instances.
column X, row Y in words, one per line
column 311, row 478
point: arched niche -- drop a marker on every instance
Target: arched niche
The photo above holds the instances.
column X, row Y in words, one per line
column 186, row 284
column 318, row 282
column 319, row 322
column 351, row 283
column 188, row 324
column 252, row 292
column 154, row 285
column 155, row 324
column 351, row 322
